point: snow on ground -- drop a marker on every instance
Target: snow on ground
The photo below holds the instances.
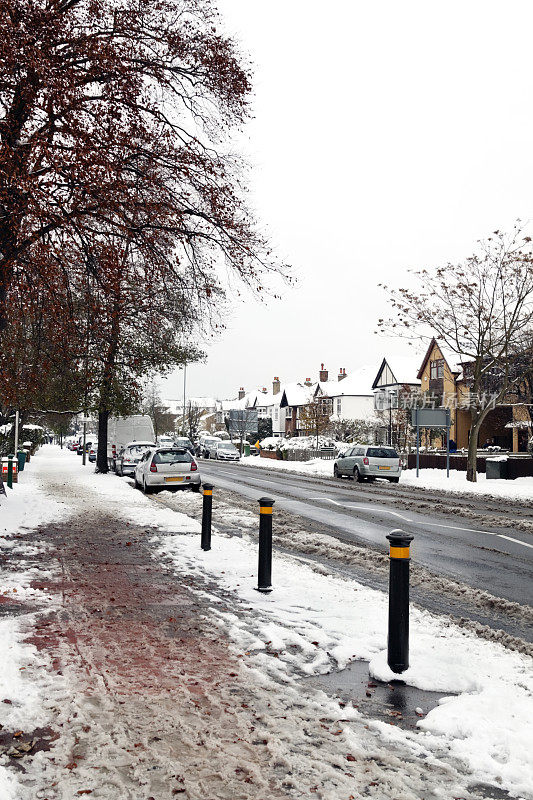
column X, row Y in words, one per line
column 27, row 698
column 520, row 489
column 316, row 466
column 26, row 506
column 312, row 622
column 25, row 681
column 318, row 622
column 302, row 443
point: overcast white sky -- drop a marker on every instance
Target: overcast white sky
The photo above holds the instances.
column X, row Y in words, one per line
column 386, row 136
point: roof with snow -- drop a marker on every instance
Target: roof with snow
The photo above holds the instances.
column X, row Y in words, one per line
column 176, row 406
column 296, row 394
column 356, row 383
column 404, row 369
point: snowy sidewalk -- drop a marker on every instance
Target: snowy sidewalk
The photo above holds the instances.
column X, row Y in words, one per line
column 519, row 489
column 141, row 667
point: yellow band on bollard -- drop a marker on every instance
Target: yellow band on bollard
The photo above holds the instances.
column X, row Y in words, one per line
column 208, row 491
column 399, row 552
column 265, row 509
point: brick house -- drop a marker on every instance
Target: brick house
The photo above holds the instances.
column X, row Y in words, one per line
column 447, row 381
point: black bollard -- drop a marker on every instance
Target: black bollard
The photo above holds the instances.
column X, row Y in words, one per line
column 398, row 638
column 264, row 573
column 10, row 471
column 206, row 516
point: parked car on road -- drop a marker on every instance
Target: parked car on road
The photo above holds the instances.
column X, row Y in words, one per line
column 225, row 451
column 92, row 451
column 88, row 443
column 121, row 430
column 367, row 462
column 129, row 457
column 207, row 446
column 183, row 441
column 167, row 468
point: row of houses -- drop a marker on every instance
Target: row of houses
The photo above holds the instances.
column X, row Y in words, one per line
column 360, row 394
column 349, row 396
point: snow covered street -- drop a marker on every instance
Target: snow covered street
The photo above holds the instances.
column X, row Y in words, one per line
column 520, row 489
column 135, row 665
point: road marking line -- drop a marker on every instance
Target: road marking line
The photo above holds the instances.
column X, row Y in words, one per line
column 510, row 538
column 457, row 528
column 352, row 507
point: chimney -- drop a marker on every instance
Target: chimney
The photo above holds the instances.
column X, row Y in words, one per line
column 276, row 386
column 342, row 373
column 307, row 382
column 323, row 374
column 241, row 393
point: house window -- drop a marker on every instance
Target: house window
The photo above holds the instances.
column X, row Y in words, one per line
column 339, row 405
column 327, row 407
column 288, row 413
column 437, row 368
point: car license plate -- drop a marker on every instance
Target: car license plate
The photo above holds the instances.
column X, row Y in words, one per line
column 171, row 480
column 383, row 467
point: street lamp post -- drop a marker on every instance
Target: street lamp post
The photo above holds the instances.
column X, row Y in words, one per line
column 184, row 395
column 16, row 433
column 391, row 395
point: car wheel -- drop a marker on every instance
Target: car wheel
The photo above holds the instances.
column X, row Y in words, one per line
column 136, row 482
column 195, row 487
column 357, row 475
column 146, row 489
column 336, row 471
column 394, row 480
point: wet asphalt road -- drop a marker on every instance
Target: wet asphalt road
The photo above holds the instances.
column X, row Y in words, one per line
column 494, row 558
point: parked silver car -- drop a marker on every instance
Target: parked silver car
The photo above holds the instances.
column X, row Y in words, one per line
column 129, row 456
column 208, row 447
column 167, row 468
column 367, row 462
column 226, row 451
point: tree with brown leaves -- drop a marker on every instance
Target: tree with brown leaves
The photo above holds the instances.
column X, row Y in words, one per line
column 114, row 115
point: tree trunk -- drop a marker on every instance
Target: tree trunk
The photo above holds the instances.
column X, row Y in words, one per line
column 101, row 455
column 471, row 464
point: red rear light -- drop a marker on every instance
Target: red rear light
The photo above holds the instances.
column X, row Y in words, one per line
column 194, row 466
column 153, row 467
column 366, row 461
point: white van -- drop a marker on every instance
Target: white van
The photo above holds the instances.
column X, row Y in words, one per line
column 125, row 430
